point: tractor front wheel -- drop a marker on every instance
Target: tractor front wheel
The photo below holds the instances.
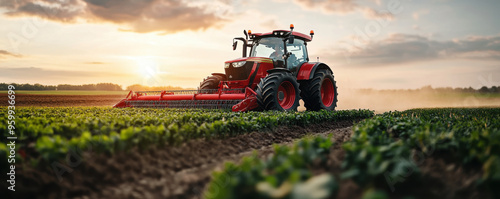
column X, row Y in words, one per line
column 278, row 91
column 320, row 92
column 210, row 84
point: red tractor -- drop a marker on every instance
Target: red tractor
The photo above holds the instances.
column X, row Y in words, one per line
column 275, row 76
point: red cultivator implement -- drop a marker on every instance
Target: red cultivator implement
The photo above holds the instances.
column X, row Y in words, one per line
column 275, row 76
column 237, row 99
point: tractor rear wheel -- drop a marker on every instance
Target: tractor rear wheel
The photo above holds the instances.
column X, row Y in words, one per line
column 320, row 92
column 210, row 83
column 278, row 91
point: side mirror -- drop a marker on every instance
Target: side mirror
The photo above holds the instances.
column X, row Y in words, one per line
column 235, row 44
column 246, row 34
column 290, row 39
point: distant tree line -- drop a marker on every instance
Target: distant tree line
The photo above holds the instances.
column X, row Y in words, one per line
column 484, row 89
column 39, row 87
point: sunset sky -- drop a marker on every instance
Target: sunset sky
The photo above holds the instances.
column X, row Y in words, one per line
column 383, row 44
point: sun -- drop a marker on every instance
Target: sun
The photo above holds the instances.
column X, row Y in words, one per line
column 148, row 70
column 147, row 67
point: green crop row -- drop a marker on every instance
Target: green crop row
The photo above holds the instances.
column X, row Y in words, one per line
column 386, row 150
column 286, row 174
column 380, row 150
column 56, row 131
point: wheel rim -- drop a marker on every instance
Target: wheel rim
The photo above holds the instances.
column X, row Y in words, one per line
column 286, row 95
column 327, row 92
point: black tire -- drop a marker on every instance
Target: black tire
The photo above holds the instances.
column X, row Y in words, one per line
column 322, row 81
column 278, row 91
column 210, row 83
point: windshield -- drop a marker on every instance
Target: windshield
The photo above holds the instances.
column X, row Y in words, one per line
column 271, row 47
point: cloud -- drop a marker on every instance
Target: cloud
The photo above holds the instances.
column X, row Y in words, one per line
column 269, row 24
column 330, row 6
column 370, row 13
column 143, row 16
column 5, row 54
column 343, row 7
column 62, row 11
column 416, row 15
column 378, row 2
column 404, row 48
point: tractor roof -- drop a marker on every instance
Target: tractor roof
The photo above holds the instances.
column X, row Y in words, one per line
column 281, row 33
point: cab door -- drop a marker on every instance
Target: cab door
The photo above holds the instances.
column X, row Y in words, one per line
column 298, row 55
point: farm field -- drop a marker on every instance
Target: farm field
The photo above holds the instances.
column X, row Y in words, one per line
column 166, row 153
column 76, row 152
column 66, row 98
column 387, row 100
column 68, row 92
column 63, row 100
column 420, row 153
column 379, row 101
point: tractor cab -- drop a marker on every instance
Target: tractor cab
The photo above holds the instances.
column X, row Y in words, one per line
column 286, row 48
column 284, row 54
column 278, row 50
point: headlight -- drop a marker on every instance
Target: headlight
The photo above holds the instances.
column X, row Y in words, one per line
column 227, row 65
column 239, row 64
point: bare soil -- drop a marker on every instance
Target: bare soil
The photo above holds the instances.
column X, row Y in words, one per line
column 62, row 100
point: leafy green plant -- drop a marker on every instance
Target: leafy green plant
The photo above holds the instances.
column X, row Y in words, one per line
column 54, row 130
column 382, row 145
column 286, row 174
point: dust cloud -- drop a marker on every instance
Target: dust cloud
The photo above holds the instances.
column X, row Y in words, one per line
column 390, row 100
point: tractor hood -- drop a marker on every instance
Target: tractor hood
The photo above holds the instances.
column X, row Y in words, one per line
column 251, row 59
column 240, row 69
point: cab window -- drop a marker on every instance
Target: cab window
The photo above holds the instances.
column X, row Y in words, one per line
column 298, row 54
column 271, row 47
